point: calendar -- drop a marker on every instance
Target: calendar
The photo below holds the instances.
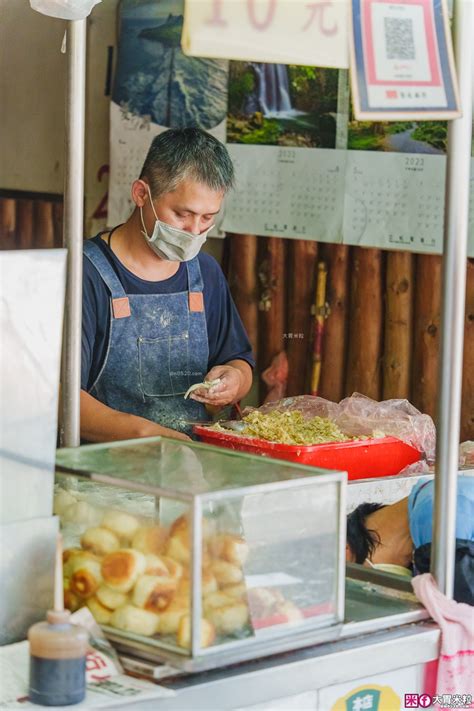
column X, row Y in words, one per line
column 394, row 201
column 133, row 135
column 287, row 192
column 370, row 199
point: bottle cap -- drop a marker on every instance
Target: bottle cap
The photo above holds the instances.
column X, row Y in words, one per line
column 58, row 617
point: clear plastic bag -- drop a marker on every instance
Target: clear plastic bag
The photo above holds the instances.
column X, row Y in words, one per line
column 359, row 416
column 64, row 9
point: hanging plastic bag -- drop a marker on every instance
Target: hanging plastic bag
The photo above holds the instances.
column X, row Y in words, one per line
column 64, row 9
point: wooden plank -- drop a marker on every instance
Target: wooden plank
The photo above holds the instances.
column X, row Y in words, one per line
column 58, row 209
column 365, row 324
column 7, row 223
column 24, row 223
column 467, row 409
column 333, row 367
column 426, row 334
column 302, row 265
column 242, row 277
column 398, row 325
column 43, row 224
column 271, row 322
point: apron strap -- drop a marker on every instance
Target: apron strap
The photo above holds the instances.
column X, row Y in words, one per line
column 195, row 286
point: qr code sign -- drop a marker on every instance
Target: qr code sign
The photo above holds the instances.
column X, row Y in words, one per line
column 399, row 38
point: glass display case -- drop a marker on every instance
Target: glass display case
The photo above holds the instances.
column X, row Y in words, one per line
column 198, row 555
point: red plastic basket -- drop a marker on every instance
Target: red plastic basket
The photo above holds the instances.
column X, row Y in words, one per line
column 361, row 459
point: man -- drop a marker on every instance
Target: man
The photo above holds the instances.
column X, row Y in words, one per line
column 401, row 534
column 157, row 314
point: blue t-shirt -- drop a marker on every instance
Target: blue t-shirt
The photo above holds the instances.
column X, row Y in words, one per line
column 226, row 334
column 420, row 511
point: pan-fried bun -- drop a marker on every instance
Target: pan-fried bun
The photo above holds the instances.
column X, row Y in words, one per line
column 121, row 569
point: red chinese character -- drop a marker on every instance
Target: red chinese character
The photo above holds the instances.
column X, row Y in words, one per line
column 391, row 94
column 217, row 18
column 259, row 24
column 318, row 9
column 411, row 701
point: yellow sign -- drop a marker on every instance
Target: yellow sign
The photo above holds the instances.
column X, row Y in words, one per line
column 369, row 697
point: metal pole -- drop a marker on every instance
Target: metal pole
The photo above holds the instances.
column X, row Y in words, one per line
column 73, row 231
column 454, row 295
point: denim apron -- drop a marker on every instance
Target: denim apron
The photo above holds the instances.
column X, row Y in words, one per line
column 157, row 348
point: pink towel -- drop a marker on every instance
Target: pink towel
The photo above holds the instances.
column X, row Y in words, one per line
column 456, row 620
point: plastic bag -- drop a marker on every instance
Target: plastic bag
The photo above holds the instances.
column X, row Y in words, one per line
column 64, row 9
column 359, row 416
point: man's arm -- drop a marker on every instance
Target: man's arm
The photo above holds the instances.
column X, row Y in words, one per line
column 100, row 423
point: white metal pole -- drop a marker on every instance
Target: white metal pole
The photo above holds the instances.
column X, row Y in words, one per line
column 453, row 305
column 73, row 231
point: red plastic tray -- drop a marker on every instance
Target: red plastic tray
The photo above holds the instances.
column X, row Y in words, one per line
column 364, row 459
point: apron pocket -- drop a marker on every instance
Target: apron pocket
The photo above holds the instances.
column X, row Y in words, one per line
column 164, row 365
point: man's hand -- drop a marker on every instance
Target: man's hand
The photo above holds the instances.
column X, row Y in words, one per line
column 236, row 379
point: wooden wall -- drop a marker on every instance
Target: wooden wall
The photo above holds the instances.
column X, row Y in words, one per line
column 381, row 335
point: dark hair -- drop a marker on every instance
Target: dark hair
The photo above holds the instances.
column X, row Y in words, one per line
column 181, row 153
column 361, row 540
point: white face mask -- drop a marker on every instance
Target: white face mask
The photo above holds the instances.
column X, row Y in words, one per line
column 171, row 243
column 390, row 568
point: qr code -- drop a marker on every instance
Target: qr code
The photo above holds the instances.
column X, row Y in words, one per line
column 399, row 38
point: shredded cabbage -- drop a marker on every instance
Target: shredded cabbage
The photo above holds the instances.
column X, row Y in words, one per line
column 290, row 427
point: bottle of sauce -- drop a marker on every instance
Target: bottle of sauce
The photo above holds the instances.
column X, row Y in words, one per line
column 57, row 660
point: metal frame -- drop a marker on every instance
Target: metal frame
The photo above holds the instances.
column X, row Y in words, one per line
column 454, row 294
column 455, row 251
column 73, row 231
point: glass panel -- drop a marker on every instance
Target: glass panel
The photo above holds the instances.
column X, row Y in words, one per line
column 273, row 557
column 190, row 469
column 130, row 569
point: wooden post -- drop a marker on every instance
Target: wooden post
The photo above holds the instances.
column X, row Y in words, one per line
column 365, row 324
column 271, row 323
column 302, row 261
column 398, row 325
column 24, row 221
column 333, row 364
column 426, row 333
column 467, row 408
column 58, row 223
column 43, row 224
column 242, row 276
column 7, row 223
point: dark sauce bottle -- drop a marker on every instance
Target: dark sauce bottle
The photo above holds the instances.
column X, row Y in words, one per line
column 57, row 661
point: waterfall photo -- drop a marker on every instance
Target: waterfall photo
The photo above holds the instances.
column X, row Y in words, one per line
column 282, row 105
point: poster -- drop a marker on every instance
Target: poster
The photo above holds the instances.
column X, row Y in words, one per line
column 156, row 87
column 282, row 31
column 305, row 168
column 402, row 61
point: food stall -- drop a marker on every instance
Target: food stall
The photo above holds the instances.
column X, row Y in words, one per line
column 305, row 631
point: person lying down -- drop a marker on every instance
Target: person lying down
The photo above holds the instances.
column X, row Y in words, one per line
column 397, row 537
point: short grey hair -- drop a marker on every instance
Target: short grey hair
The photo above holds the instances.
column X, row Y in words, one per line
column 181, row 153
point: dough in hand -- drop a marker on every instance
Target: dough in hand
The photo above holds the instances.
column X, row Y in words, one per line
column 122, row 569
column 100, row 541
column 132, row 619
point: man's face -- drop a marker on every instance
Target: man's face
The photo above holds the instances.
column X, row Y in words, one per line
column 191, row 207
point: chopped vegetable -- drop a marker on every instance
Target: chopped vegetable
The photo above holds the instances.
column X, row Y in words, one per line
column 291, row 428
